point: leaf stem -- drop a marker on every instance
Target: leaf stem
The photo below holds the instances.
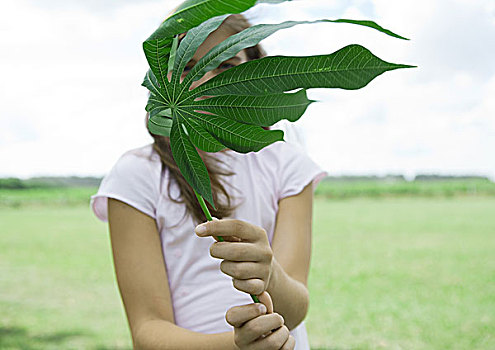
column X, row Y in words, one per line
column 204, row 207
column 210, row 218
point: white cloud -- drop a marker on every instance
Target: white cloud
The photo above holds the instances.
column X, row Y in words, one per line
column 72, row 100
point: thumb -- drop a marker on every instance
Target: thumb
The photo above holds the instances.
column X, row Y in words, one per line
column 266, row 300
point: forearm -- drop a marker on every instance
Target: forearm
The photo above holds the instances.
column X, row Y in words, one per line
column 290, row 297
column 163, row 335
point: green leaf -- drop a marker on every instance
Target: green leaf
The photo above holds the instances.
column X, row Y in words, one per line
column 252, row 36
column 158, row 103
column 173, row 51
column 189, row 161
column 151, row 83
column 256, row 110
column 242, row 138
column 159, row 126
column 350, row 68
column 370, row 24
column 157, row 54
column 200, row 137
column 158, row 110
column 231, row 46
column 188, row 46
column 192, row 13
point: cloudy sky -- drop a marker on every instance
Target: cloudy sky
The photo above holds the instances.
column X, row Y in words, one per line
column 71, row 101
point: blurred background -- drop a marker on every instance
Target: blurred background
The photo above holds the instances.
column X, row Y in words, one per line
column 403, row 226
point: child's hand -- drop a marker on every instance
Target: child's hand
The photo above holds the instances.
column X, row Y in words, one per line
column 246, row 252
column 257, row 327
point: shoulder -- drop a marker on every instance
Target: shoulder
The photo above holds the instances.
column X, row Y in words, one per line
column 134, row 179
column 144, row 156
column 138, row 164
column 138, row 168
column 282, row 152
column 294, row 168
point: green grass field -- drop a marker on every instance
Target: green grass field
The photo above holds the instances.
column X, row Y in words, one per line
column 391, row 273
column 51, row 196
column 336, row 189
column 406, row 273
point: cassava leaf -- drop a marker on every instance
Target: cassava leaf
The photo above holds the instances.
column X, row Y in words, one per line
column 157, row 54
column 350, row 68
column 173, row 51
column 189, row 161
column 192, row 13
column 188, row 46
column 158, row 109
column 256, row 110
column 242, row 138
column 159, row 125
column 252, row 36
column 151, row 83
column 189, row 14
column 167, row 113
column 370, row 24
column 230, row 47
column 200, row 137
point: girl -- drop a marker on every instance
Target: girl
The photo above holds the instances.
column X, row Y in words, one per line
column 176, row 287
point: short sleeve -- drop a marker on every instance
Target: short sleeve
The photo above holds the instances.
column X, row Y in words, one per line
column 296, row 170
column 134, row 180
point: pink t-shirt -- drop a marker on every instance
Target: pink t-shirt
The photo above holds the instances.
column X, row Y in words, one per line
column 201, row 293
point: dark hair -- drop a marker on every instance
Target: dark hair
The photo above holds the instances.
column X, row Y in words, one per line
column 236, row 23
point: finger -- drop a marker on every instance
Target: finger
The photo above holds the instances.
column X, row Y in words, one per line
column 258, row 326
column 238, row 315
column 236, row 251
column 215, row 219
column 228, row 239
column 253, row 286
column 231, row 227
column 243, row 270
column 290, row 344
column 273, row 341
column 266, row 300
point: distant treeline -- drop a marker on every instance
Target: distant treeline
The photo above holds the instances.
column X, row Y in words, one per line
column 427, row 186
column 14, row 183
column 15, row 193
column 392, row 178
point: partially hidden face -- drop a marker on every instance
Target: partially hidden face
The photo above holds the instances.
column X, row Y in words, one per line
column 222, row 33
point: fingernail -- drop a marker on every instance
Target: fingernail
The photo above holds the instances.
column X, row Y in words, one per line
column 262, row 308
column 201, row 229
